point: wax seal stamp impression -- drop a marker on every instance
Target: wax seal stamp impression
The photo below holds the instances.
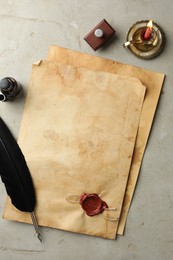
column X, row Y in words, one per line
column 99, row 35
column 92, row 204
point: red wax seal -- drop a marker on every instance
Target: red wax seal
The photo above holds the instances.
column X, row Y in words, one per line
column 92, row 204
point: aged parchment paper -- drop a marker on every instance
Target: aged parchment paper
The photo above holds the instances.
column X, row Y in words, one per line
column 78, row 133
column 152, row 80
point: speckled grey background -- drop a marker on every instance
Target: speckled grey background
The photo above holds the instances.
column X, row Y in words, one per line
column 27, row 28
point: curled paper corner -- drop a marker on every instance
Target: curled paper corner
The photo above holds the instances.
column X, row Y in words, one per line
column 37, row 63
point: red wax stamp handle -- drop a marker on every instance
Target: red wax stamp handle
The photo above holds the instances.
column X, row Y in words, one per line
column 92, row 204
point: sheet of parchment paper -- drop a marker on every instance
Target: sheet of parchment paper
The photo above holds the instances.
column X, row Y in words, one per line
column 152, row 80
column 78, row 133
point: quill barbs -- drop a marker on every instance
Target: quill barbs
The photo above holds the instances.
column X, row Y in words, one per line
column 15, row 175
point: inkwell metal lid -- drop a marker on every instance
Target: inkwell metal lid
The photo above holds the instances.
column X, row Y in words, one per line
column 9, row 88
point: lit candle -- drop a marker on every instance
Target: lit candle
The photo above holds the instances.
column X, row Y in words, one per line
column 148, row 30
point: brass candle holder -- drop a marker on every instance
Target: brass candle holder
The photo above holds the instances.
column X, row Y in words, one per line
column 141, row 47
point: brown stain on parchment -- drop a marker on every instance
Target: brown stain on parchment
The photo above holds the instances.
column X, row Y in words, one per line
column 151, row 79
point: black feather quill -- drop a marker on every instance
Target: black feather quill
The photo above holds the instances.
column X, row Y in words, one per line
column 15, row 174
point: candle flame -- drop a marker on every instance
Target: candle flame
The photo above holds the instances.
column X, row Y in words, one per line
column 150, row 24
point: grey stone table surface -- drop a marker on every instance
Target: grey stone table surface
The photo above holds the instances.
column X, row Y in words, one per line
column 27, row 29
